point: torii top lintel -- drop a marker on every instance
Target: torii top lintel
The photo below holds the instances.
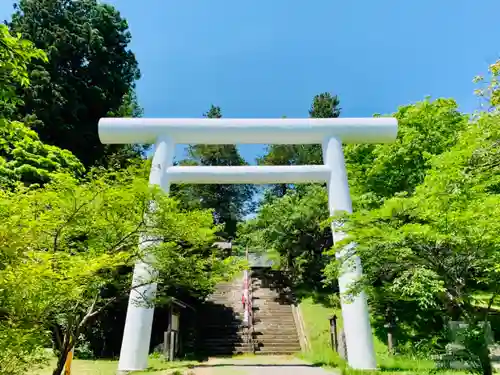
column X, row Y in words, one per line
column 247, row 131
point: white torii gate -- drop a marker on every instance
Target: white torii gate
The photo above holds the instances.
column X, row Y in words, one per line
column 331, row 133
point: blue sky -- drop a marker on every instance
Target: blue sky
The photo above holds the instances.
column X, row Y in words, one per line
column 268, row 58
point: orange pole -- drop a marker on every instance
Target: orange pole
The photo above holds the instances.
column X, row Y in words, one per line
column 69, row 360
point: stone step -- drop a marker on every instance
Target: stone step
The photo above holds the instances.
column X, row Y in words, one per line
column 228, row 326
column 222, row 322
column 223, row 332
column 272, row 336
column 287, row 331
column 214, row 319
column 275, row 335
column 274, row 319
column 275, row 322
column 225, row 346
column 219, row 316
column 292, row 347
column 214, row 341
column 230, row 348
column 276, row 339
column 226, row 338
column 221, row 312
column 274, row 326
column 266, row 310
column 269, row 310
column 270, row 314
column 221, row 341
column 274, row 351
column 283, row 321
column 226, row 352
column 268, row 287
column 277, row 343
column 271, row 304
column 266, row 293
column 222, row 325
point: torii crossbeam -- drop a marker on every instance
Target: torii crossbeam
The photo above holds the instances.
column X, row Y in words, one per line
column 330, row 133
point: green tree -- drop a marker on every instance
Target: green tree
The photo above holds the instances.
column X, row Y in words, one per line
column 427, row 255
column 15, row 55
column 295, row 229
column 90, row 73
column 490, row 91
column 426, row 129
column 375, row 172
column 229, row 203
column 67, row 243
column 23, row 157
column 324, row 105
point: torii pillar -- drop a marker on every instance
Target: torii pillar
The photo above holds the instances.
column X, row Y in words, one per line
column 331, row 133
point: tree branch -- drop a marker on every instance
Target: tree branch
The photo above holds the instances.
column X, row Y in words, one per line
column 123, row 239
column 91, row 311
column 491, row 301
column 70, row 218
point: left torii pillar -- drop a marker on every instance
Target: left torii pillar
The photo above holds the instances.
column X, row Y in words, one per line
column 139, row 320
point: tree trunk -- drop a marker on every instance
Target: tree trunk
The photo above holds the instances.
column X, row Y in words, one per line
column 61, row 361
column 486, row 366
column 60, row 365
column 484, row 358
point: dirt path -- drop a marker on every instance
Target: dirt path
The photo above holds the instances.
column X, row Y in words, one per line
column 271, row 365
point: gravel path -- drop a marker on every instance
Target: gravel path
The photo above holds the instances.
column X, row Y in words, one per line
column 268, row 365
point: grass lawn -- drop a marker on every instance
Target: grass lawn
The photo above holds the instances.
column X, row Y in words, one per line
column 316, row 315
column 482, row 300
column 102, row 367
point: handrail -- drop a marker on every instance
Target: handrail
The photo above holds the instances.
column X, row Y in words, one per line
column 249, row 309
column 248, row 299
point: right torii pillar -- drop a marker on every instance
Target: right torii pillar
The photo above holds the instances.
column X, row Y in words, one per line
column 357, row 329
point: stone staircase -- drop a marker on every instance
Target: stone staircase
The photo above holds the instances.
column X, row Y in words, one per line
column 274, row 331
column 221, row 330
